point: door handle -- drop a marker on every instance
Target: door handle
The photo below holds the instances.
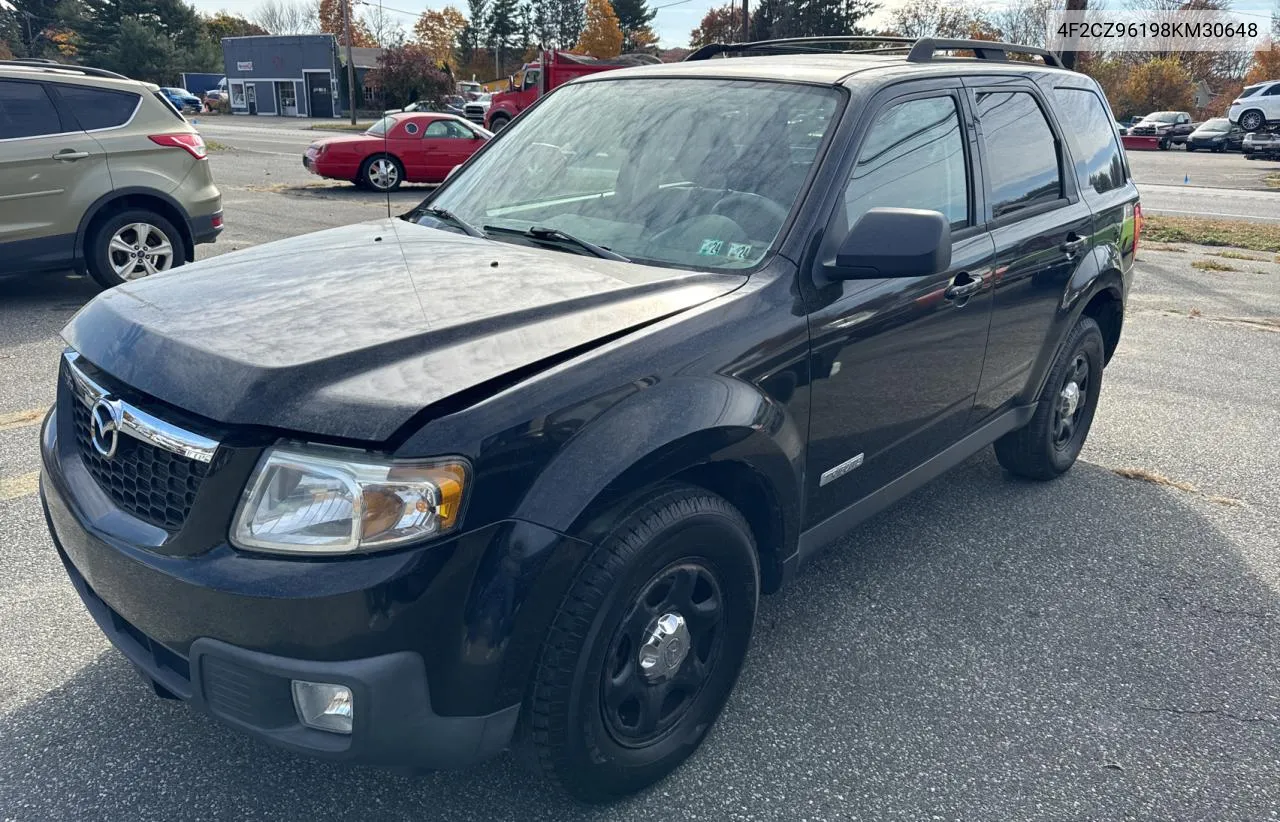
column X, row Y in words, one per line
column 70, row 156
column 963, row 286
column 1073, row 244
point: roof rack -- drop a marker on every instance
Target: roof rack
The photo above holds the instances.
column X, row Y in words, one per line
column 923, row 50
column 919, row 50
column 53, row 65
column 795, row 45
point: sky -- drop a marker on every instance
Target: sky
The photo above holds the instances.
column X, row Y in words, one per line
column 676, row 18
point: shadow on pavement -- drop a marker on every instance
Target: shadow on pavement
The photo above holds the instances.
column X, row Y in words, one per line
column 35, row 307
column 988, row 649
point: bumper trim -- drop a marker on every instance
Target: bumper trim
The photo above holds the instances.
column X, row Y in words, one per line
column 204, row 229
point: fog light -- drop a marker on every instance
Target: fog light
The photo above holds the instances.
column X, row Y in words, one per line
column 324, row 706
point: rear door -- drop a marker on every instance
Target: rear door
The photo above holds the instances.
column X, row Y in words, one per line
column 50, row 171
column 1041, row 228
column 896, row 362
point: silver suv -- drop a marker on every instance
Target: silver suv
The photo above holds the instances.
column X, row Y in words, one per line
column 99, row 173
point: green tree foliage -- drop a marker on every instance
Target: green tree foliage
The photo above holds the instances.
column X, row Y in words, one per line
column 634, row 17
column 809, row 18
column 153, row 40
column 223, row 24
column 504, row 31
column 475, row 33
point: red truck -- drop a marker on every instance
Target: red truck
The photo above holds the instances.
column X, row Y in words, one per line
column 553, row 68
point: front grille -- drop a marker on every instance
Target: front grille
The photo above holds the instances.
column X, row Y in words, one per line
column 475, row 114
column 152, row 484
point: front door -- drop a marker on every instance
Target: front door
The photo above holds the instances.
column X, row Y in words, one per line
column 446, row 143
column 896, row 362
column 319, row 95
column 49, row 171
column 251, row 97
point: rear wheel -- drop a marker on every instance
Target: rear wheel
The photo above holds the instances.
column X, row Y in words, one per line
column 646, row 646
column 131, row 245
column 1048, row 445
column 382, row 173
column 1252, row 120
column 499, row 122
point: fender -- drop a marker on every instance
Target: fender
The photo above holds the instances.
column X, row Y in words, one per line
column 184, row 224
column 504, row 108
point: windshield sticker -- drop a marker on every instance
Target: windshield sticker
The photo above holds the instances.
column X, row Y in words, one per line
column 711, row 248
column 739, row 251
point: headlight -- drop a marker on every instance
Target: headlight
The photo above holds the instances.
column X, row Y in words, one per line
column 313, row 500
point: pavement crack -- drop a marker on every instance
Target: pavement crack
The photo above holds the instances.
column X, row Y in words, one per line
column 1204, row 712
column 1156, row 478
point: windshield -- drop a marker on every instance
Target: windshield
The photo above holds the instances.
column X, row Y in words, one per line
column 1163, row 117
column 688, row 173
column 1216, row 124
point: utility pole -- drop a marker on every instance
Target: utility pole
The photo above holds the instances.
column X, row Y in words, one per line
column 351, row 64
column 746, row 22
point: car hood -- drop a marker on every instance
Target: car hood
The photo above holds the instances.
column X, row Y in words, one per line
column 350, row 332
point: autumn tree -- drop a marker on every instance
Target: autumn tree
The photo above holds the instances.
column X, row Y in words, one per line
column 601, row 35
column 722, row 24
column 283, row 17
column 410, row 73
column 1160, row 84
column 936, row 18
column 383, row 26
column 1265, row 66
column 223, row 24
column 438, row 32
column 331, row 22
column 634, row 18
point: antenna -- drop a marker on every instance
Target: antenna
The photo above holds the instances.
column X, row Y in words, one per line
column 382, row 94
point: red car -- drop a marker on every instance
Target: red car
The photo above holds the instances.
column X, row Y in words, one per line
column 417, row 147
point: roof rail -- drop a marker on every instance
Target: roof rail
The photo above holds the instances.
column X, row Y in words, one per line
column 795, row 45
column 923, row 50
column 53, row 65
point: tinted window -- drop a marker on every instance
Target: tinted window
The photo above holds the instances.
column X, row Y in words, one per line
column 26, row 111
column 1250, row 91
column 1099, row 163
column 1022, row 154
column 1274, row 91
column 96, row 108
column 912, row 157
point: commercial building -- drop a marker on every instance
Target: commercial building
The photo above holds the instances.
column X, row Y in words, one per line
column 291, row 76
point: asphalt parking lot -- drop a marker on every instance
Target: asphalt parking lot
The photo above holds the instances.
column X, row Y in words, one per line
column 1099, row 647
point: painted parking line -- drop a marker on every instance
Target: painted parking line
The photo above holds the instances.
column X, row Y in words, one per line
column 22, row 419
column 20, row 486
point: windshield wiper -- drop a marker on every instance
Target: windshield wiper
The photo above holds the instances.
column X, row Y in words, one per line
column 445, row 215
column 555, row 235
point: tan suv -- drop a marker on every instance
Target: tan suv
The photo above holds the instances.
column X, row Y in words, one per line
column 99, row 173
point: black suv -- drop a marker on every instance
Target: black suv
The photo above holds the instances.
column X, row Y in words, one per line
column 514, row 468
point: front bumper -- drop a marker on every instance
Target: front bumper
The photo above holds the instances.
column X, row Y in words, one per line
column 435, row 642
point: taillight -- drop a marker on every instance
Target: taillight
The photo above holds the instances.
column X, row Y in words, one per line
column 1137, row 225
column 189, row 142
column 217, row 220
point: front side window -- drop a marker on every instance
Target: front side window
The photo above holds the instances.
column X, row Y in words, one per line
column 1022, row 164
column 26, row 111
column 913, row 157
column 705, row 184
column 448, row 129
column 381, row 127
column 1099, row 163
column 97, row 108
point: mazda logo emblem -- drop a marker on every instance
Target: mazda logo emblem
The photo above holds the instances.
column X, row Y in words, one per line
column 104, row 426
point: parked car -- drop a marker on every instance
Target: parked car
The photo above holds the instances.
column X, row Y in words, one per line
column 478, row 109
column 469, row 89
column 515, row 467
column 1261, row 145
column 1121, row 128
column 99, row 173
column 1257, row 106
column 409, row 147
column 452, row 104
column 1217, row 134
column 183, row 100
column 1171, row 127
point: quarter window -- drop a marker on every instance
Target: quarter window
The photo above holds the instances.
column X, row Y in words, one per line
column 447, row 129
column 1099, row 163
column 26, row 111
column 96, row 108
column 1022, row 166
column 913, row 157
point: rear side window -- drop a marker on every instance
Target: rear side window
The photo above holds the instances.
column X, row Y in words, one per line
column 1099, row 164
column 97, row 108
column 26, row 111
column 912, row 157
column 1022, row 162
column 1274, row 91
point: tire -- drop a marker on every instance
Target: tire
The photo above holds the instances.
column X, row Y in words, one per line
column 1039, row 450
column 1190, row 147
column 382, row 172
column 499, row 122
column 108, row 261
column 1252, row 120
column 1163, row 145
column 585, row 722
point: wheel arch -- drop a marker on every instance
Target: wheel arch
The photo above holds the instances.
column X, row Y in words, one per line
column 126, row 198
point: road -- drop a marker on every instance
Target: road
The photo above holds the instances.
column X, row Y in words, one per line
column 988, row 649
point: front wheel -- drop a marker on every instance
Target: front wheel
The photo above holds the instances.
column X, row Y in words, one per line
column 499, row 122
column 1048, row 445
column 646, row 646
column 1252, row 120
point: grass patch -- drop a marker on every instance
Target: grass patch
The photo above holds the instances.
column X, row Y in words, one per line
column 1230, row 233
column 1237, row 255
column 214, row 145
column 340, row 127
column 1272, row 180
column 1176, row 249
column 1212, row 265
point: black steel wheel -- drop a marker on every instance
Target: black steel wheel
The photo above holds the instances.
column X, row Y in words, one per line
column 1049, row 444
column 646, row 646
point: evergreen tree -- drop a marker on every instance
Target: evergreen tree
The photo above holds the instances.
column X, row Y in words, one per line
column 475, row 34
column 504, row 29
column 543, row 16
column 634, row 17
column 570, row 17
column 151, row 40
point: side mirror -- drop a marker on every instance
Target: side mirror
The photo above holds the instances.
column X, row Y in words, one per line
column 894, row 242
